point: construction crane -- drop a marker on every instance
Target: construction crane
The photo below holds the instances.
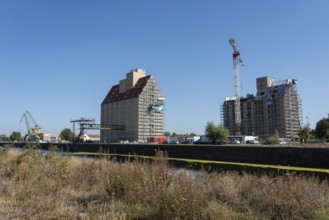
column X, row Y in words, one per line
column 32, row 132
column 237, row 61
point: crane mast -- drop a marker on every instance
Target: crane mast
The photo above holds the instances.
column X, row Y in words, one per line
column 236, row 64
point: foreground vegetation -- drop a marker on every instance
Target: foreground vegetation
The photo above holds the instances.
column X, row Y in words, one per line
column 36, row 186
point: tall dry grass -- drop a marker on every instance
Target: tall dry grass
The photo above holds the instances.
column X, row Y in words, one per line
column 36, row 186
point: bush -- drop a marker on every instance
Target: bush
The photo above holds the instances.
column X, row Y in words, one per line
column 40, row 186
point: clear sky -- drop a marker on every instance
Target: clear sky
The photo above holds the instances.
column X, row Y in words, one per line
column 59, row 58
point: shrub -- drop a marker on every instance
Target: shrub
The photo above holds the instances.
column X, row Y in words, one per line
column 41, row 186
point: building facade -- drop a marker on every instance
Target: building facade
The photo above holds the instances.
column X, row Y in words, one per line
column 136, row 105
column 275, row 107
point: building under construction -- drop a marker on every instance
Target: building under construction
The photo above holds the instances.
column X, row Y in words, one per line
column 137, row 105
column 275, row 107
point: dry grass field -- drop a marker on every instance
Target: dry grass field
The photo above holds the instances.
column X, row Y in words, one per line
column 37, row 186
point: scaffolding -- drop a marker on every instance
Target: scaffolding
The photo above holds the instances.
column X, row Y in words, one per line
column 221, row 115
column 151, row 112
column 294, row 113
column 276, row 106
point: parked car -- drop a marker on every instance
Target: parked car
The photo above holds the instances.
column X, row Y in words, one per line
column 236, row 142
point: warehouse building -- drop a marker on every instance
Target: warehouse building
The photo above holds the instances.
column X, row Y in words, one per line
column 136, row 105
column 275, row 107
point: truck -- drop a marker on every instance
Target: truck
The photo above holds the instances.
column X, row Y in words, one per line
column 192, row 139
column 204, row 140
column 171, row 140
column 251, row 139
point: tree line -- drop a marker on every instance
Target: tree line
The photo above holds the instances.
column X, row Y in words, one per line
column 213, row 132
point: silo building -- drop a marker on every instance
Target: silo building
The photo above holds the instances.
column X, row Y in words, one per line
column 136, row 106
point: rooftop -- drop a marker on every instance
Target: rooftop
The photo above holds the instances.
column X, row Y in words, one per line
column 114, row 95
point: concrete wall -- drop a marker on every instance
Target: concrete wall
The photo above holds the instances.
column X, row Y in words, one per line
column 306, row 156
column 289, row 156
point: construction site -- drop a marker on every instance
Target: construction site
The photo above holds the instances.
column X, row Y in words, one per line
column 133, row 110
column 276, row 107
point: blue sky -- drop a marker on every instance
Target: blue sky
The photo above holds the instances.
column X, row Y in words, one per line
column 58, row 59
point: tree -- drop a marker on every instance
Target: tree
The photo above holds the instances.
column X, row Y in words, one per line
column 215, row 133
column 312, row 134
column 67, row 134
column 16, row 136
column 327, row 135
column 167, row 133
column 304, row 133
column 321, row 128
column 274, row 139
column 192, row 134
